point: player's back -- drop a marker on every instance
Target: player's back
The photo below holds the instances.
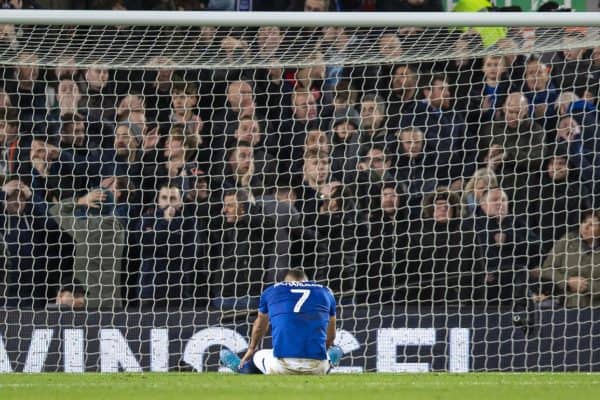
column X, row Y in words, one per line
column 299, row 313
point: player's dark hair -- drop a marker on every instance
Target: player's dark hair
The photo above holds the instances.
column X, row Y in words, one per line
column 297, row 274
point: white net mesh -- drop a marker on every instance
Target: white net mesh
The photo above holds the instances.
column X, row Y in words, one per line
column 440, row 182
column 130, row 47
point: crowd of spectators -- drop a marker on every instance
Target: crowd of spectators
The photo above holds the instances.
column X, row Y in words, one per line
column 450, row 182
column 233, row 5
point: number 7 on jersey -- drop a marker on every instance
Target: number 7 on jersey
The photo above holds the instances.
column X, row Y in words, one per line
column 305, row 293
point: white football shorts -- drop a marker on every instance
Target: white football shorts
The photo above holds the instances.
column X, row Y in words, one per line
column 268, row 364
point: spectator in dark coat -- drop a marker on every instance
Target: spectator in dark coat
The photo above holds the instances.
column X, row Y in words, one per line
column 198, row 195
column 581, row 152
column 184, row 110
column 402, row 103
column 415, row 170
column 127, row 209
column 514, row 146
column 179, row 149
column 464, row 71
column 269, row 82
column 374, row 169
column 40, row 254
column 444, row 261
column 244, row 172
column 85, row 155
column 27, row 93
column 510, row 249
column 9, row 142
column 515, row 63
column 252, row 131
column 67, row 98
column 169, row 250
column 51, row 170
column 157, row 92
column 126, row 157
column 377, row 78
column 569, row 68
column 241, row 253
column 585, row 113
column 239, row 104
column 312, row 78
column 487, row 96
column 296, row 245
column 343, row 234
column 555, row 197
column 344, row 145
column 593, row 86
column 445, row 130
column 287, row 145
column 388, row 241
column 540, row 91
column 316, row 183
column 373, row 120
column 98, row 101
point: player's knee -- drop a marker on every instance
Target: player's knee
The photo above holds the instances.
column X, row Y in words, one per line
column 261, row 360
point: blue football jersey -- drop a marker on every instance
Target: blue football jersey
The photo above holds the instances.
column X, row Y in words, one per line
column 299, row 313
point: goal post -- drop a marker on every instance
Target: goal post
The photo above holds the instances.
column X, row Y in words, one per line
column 438, row 171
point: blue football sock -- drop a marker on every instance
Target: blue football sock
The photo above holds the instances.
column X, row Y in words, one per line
column 249, row 368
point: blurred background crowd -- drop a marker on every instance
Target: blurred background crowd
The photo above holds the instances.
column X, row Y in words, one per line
column 466, row 181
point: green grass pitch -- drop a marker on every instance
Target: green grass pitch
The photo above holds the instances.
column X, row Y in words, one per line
column 211, row 386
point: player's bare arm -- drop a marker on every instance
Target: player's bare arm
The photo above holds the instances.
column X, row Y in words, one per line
column 259, row 330
column 330, row 332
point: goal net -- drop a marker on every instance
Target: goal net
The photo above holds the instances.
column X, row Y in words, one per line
column 159, row 170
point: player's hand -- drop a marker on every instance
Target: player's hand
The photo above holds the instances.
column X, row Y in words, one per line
column 174, row 167
column 328, row 189
column 170, row 213
column 129, row 104
column 40, row 166
column 247, row 357
column 577, row 284
column 500, row 238
column 11, row 187
column 538, row 298
column 25, row 191
column 93, row 199
column 495, row 156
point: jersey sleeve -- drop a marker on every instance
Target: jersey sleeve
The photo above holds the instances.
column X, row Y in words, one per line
column 332, row 303
column 263, row 304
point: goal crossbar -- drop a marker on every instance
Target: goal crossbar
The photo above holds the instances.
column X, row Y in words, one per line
column 291, row 19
